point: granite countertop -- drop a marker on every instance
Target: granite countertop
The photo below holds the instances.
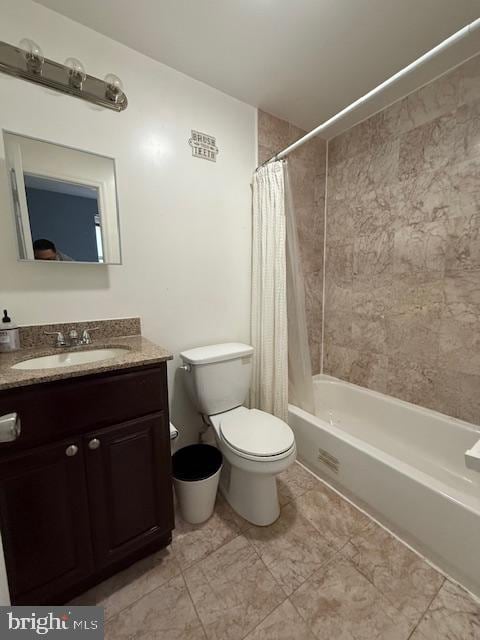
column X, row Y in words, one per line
column 138, row 351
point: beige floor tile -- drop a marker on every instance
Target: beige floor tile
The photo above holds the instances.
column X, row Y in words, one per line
column 291, row 548
column 192, row 543
column 228, row 513
column 404, row 578
column 347, row 579
column 164, row 614
column 293, row 482
column 128, row 586
column 334, row 517
column 341, row 604
column 453, row 615
column 232, row 590
column 283, row 624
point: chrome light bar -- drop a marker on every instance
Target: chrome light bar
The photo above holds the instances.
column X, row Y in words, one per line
column 27, row 62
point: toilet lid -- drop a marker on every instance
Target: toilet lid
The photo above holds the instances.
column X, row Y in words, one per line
column 257, row 433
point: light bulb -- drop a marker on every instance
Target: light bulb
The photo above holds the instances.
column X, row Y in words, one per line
column 33, row 55
column 77, row 75
column 114, row 91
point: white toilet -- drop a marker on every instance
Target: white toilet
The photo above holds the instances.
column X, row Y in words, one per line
column 256, row 446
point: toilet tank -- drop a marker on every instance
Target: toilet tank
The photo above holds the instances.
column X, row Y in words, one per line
column 218, row 376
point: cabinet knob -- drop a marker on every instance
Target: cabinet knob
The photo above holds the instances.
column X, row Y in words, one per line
column 72, row 450
column 94, row 444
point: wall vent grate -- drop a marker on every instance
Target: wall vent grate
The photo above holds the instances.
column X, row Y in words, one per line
column 328, row 460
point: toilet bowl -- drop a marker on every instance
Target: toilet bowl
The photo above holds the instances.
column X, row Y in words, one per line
column 256, row 445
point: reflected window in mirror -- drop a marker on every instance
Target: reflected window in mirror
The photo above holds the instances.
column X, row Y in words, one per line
column 64, row 202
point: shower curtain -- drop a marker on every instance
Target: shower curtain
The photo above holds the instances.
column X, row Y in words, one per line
column 269, row 390
column 300, row 385
column 281, row 361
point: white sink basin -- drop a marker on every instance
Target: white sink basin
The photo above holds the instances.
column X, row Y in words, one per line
column 69, row 358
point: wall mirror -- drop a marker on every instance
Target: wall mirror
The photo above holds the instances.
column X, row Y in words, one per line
column 64, row 202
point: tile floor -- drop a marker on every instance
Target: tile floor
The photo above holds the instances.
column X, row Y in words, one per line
column 323, row 571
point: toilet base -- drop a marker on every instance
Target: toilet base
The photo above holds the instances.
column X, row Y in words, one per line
column 253, row 496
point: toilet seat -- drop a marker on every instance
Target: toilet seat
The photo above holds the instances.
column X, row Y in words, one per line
column 255, row 434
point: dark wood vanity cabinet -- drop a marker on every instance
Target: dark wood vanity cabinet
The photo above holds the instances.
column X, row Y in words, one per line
column 45, row 522
column 127, row 486
column 86, row 489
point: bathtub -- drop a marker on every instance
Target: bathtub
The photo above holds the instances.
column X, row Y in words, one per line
column 402, row 464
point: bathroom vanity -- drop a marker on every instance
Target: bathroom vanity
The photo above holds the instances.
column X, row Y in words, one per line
column 85, row 487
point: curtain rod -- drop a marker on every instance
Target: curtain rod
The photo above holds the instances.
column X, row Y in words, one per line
column 456, row 37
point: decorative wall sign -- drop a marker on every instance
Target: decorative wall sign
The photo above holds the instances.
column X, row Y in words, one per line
column 203, row 146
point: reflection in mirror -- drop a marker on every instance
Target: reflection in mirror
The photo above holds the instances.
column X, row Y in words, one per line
column 64, row 202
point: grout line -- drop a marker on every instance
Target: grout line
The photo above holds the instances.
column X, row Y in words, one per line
column 307, row 623
column 140, row 597
column 322, row 341
column 255, row 138
column 338, row 555
column 250, row 543
column 427, row 609
column 392, row 533
column 193, row 603
column 263, row 619
column 194, row 563
column 391, row 601
column 322, row 566
column 304, row 515
column 335, row 556
column 263, row 562
column 202, row 558
column 235, row 534
column 288, row 596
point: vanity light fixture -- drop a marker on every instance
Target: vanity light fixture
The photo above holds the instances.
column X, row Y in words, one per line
column 114, row 91
column 27, row 62
column 33, row 56
column 77, row 75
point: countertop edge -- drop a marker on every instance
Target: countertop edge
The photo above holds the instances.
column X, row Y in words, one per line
column 154, row 354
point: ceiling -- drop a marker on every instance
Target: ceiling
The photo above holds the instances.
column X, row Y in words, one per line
column 302, row 60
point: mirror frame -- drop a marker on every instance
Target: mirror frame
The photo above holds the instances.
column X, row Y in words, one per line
column 13, row 205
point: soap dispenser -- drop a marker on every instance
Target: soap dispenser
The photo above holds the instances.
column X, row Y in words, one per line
column 9, row 334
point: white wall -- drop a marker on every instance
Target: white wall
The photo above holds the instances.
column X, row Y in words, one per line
column 185, row 222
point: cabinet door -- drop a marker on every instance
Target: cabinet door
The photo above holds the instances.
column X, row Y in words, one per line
column 129, row 486
column 44, row 522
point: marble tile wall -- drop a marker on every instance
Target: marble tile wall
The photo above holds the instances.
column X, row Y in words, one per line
column 402, row 300
column 307, row 168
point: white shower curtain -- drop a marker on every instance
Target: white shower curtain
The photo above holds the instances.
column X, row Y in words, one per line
column 281, row 366
column 269, row 391
column 300, row 385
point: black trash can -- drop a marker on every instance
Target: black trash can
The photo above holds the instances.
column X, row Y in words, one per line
column 196, row 473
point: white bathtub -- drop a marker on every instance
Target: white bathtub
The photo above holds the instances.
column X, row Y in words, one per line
column 403, row 464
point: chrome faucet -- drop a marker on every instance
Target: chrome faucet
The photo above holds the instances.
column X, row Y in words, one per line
column 86, row 338
column 73, row 340
column 60, row 340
